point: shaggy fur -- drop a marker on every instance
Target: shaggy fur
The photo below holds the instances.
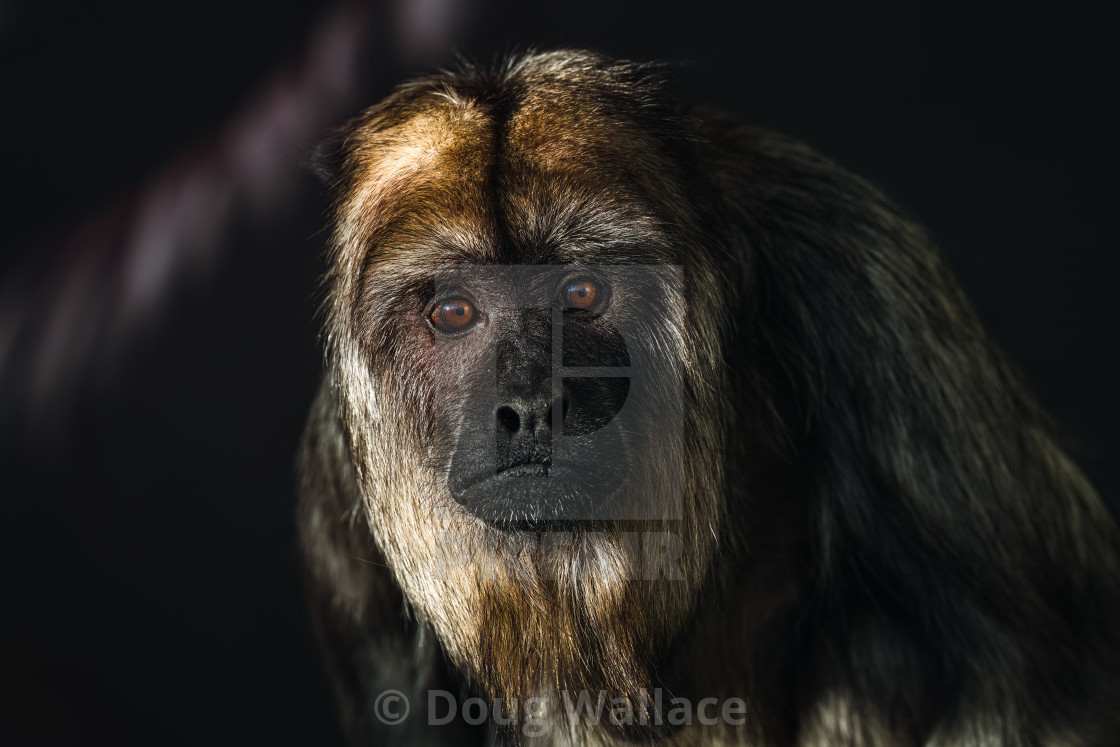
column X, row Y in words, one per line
column 881, row 542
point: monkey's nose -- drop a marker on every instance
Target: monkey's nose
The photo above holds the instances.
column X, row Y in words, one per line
column 518, row 418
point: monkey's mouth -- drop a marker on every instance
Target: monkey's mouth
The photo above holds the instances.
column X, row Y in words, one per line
column 535, row 493
column 527, row 469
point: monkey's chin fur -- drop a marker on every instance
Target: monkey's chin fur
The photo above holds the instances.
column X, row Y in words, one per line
column 526, row 612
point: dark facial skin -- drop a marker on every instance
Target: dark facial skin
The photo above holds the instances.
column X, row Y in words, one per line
column 537, row 439
column 524, row 452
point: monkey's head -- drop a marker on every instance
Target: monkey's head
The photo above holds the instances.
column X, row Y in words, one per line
column 523, row 339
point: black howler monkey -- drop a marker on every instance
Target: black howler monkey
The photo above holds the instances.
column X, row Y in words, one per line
column 623, row 397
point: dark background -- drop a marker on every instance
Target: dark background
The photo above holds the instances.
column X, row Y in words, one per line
column 151, row 590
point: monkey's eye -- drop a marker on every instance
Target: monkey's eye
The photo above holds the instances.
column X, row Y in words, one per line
column 453, row 315
column 582, row 294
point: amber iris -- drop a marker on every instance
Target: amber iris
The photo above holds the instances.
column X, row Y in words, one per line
column 453, row 315
column 581, row 294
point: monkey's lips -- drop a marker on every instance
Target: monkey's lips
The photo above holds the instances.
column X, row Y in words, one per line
column 535, row 492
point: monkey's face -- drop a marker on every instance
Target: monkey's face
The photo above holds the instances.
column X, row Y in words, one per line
column 544, row 419
column 526, row 379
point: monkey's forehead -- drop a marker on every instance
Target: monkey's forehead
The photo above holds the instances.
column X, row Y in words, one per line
column 553, row 177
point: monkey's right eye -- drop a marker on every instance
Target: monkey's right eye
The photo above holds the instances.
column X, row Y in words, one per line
column 453, row 315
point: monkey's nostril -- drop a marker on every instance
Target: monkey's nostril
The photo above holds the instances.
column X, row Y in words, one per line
column 508, row 420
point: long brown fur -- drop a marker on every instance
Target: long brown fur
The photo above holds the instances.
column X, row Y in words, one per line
column 880, row 541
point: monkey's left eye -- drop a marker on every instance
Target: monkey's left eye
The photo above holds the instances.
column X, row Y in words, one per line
column 453, row 315
column 582, row 294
